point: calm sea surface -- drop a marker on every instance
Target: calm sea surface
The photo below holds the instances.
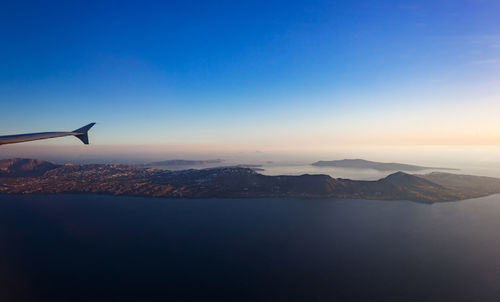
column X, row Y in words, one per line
column 103, row 248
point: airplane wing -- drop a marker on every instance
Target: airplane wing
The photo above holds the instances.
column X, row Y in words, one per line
column 81, row 133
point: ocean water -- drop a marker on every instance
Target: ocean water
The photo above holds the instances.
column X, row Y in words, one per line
column 103, row 248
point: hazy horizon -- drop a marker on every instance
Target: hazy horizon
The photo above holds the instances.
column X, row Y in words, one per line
column 475, row 160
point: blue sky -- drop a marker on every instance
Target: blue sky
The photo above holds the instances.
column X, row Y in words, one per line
column 254, row 73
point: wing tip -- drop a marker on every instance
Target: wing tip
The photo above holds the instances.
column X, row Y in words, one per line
column 82, row 133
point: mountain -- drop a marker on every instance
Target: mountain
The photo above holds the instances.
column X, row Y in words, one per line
column 16, row 167
column 32, row 176
column 366, row 164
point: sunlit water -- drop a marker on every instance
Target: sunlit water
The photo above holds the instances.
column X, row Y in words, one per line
column 103, row 248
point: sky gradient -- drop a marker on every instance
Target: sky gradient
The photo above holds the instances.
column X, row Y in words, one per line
column 251, row 75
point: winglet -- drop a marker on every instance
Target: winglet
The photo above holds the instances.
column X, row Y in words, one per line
column 82, row 133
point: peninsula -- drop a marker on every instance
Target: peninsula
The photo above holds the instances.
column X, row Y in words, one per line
column 366, row 164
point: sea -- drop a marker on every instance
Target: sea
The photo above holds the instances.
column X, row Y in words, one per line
column 115, row 248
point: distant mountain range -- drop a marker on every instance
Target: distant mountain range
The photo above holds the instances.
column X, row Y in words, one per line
column 28, row 176
column 366, row 164
column 183, row 162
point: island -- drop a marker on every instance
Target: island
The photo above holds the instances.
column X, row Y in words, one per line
column 366, row 164
column 28, row 176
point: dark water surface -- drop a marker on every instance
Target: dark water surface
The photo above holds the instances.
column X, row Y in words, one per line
column 103, row 248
